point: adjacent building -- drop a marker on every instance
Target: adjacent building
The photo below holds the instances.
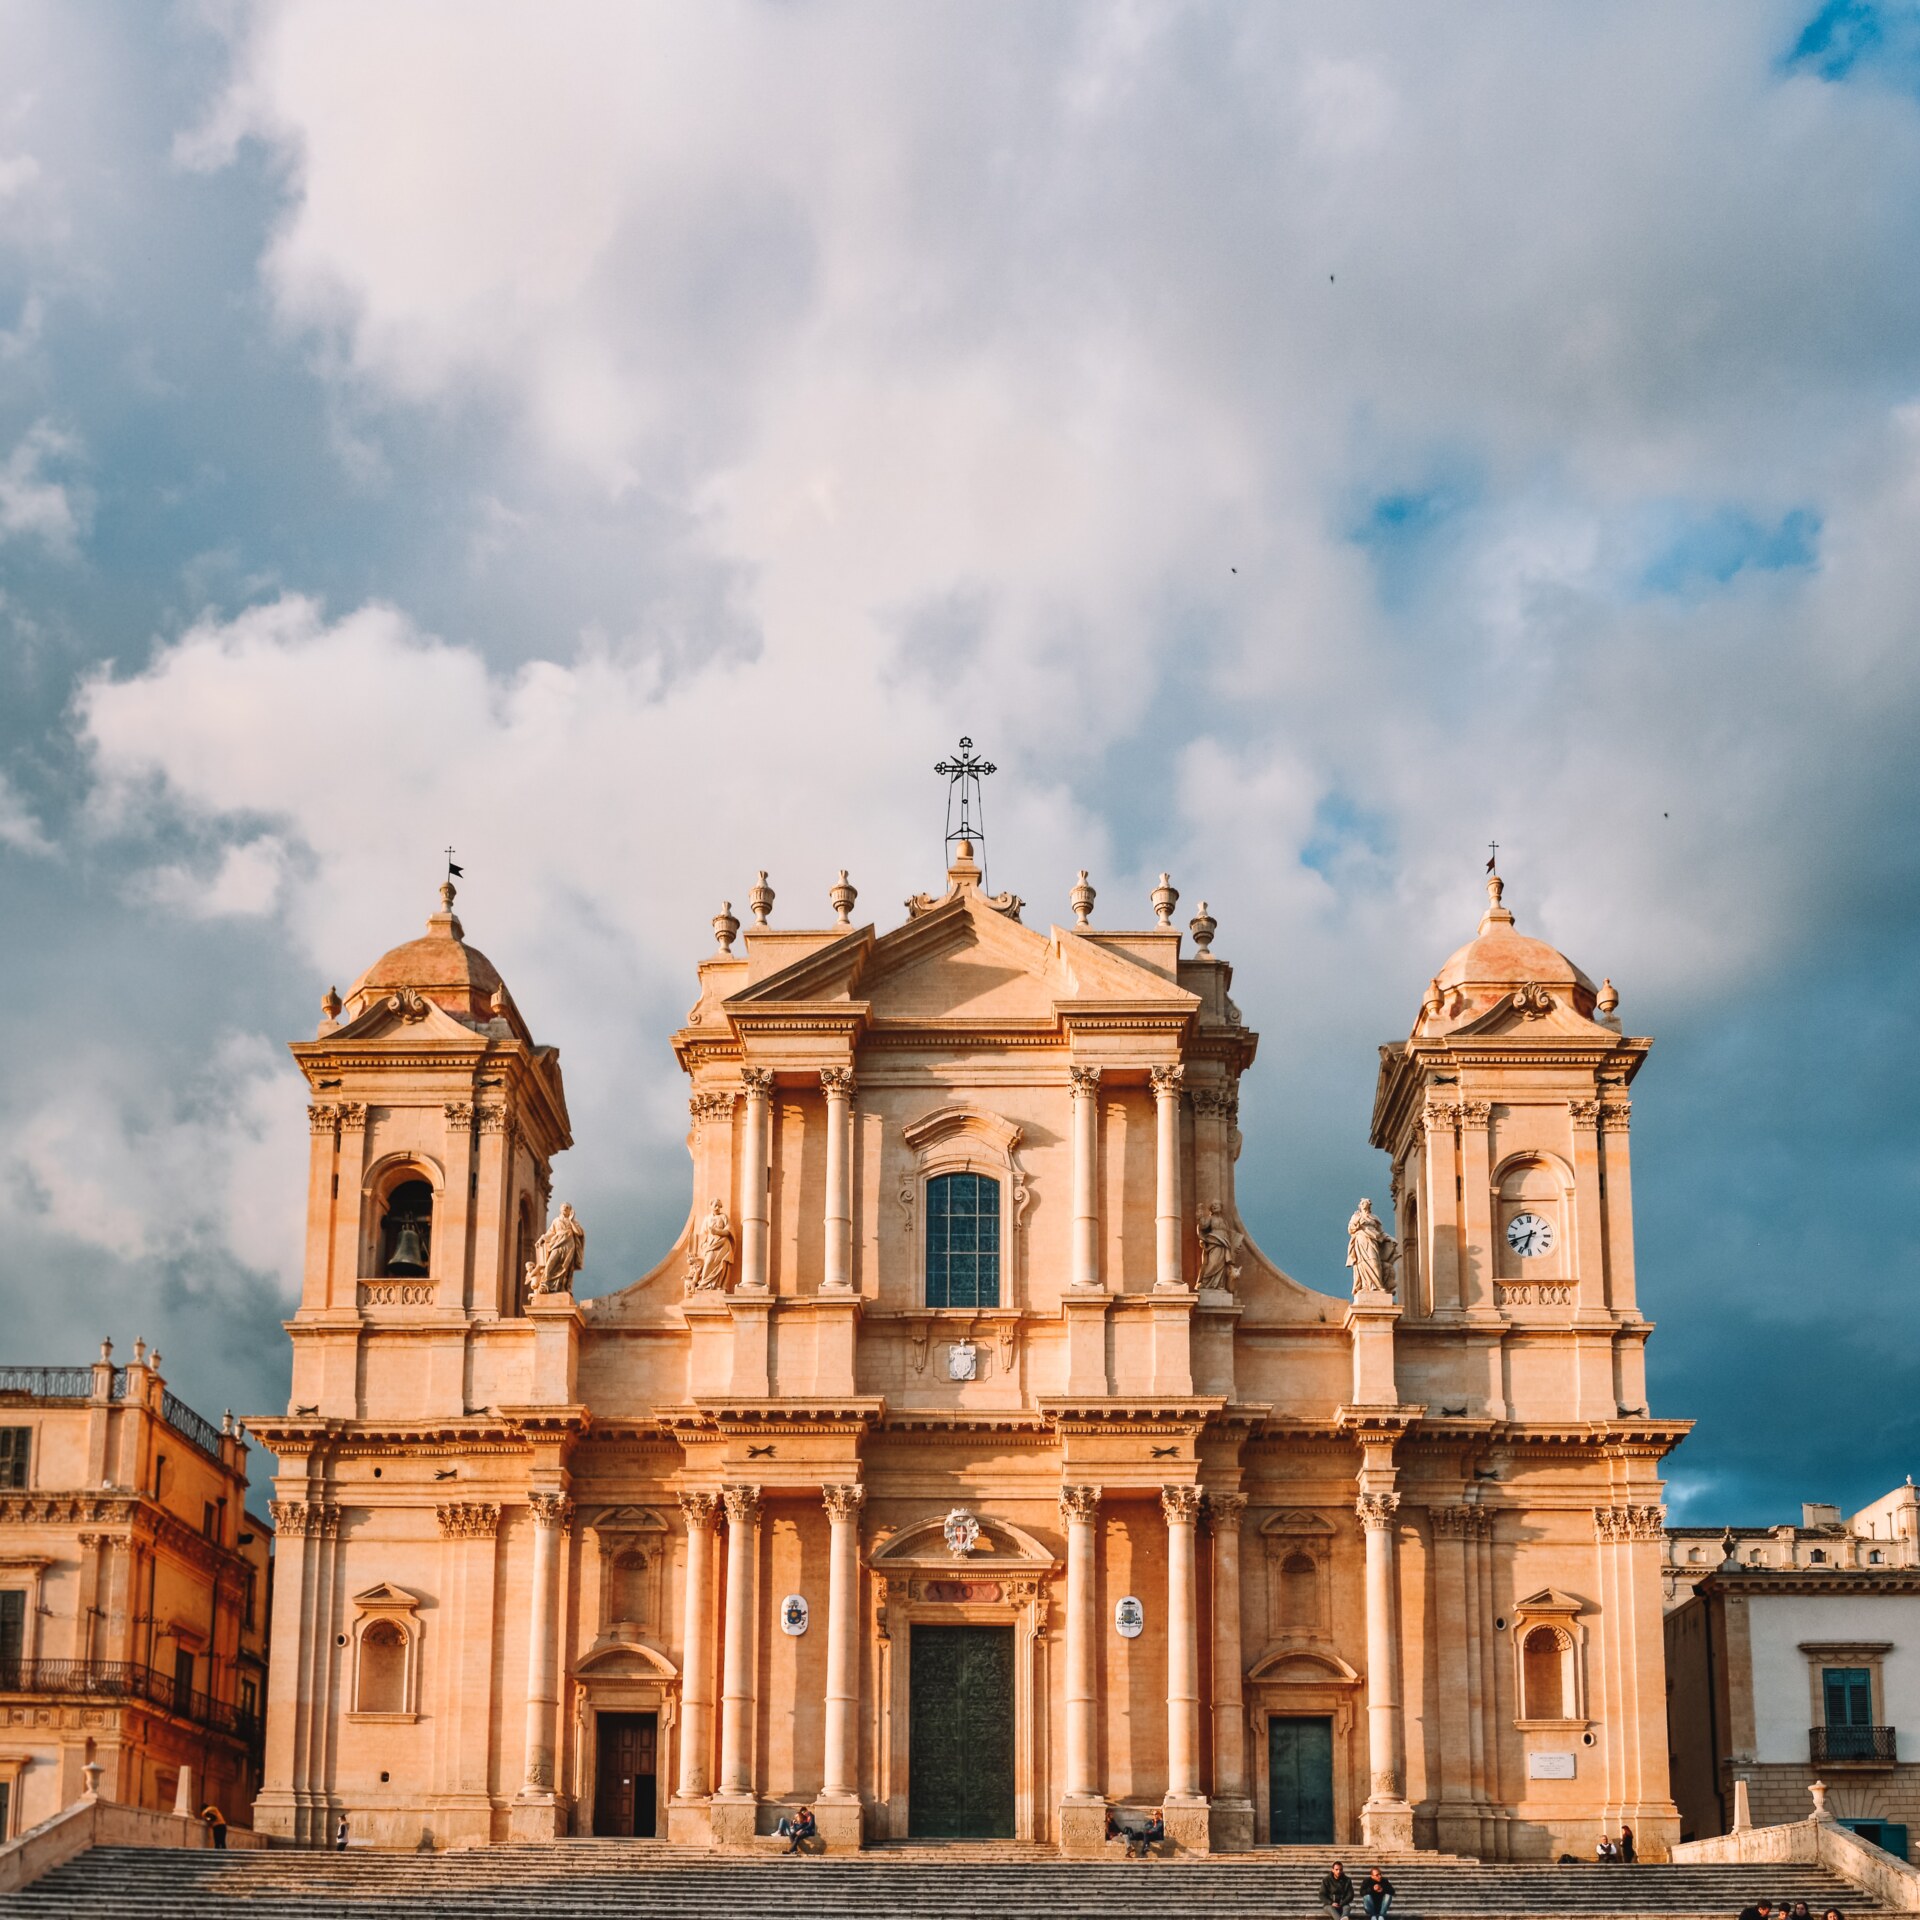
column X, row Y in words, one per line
column 133, row 1594
column 963, row 1468
column 1793, row 1655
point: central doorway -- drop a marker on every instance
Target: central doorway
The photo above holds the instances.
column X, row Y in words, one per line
column 1300, row 1782
column 626, row 1779
column 960, row 1736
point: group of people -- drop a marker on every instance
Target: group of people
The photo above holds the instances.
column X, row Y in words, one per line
column 1141, row 1841
column 1374, row 1894
column 1781, row 1910
column 1612, row 1852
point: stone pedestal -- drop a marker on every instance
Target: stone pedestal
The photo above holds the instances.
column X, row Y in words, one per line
column 842, row 1827
column 1387, row 1824
column 1190, row 1825
column 556, row 1322
column 537, row 1817
column 1232, row 1829
column 688, row 1823
column 1083, row 1826
column 734, row 1819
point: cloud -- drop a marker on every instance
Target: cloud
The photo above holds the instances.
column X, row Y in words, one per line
column 19, row 829
column 36, row 506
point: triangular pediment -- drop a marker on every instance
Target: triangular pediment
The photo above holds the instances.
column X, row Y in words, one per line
column 386, row 1598
column 1548, row 1600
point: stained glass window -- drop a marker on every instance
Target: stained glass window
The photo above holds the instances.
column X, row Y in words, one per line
column 963, row 1241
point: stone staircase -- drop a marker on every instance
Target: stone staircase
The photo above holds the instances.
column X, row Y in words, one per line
column 641, row 1880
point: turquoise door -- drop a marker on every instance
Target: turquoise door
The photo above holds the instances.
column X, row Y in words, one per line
column 1300, row 1782
column 960, row 1733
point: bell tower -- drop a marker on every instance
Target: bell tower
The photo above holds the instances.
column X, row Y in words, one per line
column 435, row 1118
column 1506, row 1115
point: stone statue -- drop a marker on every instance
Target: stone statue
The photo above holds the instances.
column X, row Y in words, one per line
column 710, row 1259
column 558, row 1255
column 1370, row 1253
column 1218, row 1267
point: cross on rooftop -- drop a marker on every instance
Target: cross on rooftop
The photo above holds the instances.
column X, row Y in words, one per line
column 964, row 773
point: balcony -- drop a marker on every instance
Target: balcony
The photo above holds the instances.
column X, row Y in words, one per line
column 110, row 1681
column 1853, row 1746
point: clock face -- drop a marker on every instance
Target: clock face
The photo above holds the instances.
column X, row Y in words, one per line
column 1528, row 1234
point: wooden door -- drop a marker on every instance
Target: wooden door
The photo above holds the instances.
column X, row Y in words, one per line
column 626, row 1775
column 1300, row 1782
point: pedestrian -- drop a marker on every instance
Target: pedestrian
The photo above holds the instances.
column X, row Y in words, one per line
column 1376, row 1895
column 1337, row 1892
column 340, row 1835
column 1626, row 1844
column 216, row 1824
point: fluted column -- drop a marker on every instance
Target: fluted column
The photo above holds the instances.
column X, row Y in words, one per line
column 839, row 1778
column 1224, row 1511
column 1086, row 1163
column 1167, row 1276
column 1079, row 1510
column 1181, row 1505
column 754, row 1178
column 1385, row 1816
column 837, row 1269
column 552, row 1515
column 736, row 1676
column 696, row 1650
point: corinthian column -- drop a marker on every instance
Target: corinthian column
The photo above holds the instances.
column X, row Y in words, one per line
column 1166, row 1184
column 1181, row 1505
column 696, row 1648
column 552, row 1515
column 839, row 1781
column 1086, row 1155
column 736, row 1664
column 1233, row 1810
column 1386, row 1820
column 1079, row 1509
column 837, row 1270
column 754, row 1180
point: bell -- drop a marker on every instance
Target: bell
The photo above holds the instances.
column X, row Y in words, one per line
column 409, row 1256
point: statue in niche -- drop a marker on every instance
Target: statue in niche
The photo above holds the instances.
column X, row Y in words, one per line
column 710, row 1258
column 558, row 1255
column 1370, row 1253
column 1218, row 1268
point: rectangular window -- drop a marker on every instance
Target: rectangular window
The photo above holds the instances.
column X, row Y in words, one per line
column 1849, row 1697
column 6, row 1810
column 15, row 1445
column 209, row 1520
column 13, row 1630
column 249, row 1699
column 182, row 1681
column 963, row 1241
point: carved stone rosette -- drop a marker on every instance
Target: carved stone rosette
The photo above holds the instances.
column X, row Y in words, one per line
column 843, row 1502
column 743, row 1505
column 468, row 1520
column 698, row 1509
column 1079, row 1503
column 1181, row 1505
column 1630, row 1523
column 1376, row 1510
column 550, row 1509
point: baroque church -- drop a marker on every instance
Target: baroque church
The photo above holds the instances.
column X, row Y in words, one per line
column 964, row 1469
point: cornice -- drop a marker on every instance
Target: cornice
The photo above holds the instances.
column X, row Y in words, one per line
column 1810, row 1580
column 725, row 1414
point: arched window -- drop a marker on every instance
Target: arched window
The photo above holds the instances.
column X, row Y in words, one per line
column 1873, row 1558
column 406, row 1229
column 963, row 1241
column 1299, row 1594
column 1818, row 1556
column 522, row 1249
column 1542, row 1662
column 383, row 1669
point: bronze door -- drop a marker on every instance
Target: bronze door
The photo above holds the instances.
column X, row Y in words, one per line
column 627, row 1776
column 960, row 1734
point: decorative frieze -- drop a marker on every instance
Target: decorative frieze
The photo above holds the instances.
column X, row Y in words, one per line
column 1534, row 1293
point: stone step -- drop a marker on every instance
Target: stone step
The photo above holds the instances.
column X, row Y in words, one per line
column 598, row 1880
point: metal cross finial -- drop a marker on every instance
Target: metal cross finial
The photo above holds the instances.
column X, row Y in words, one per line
column 964, row 773
column 1493, row 853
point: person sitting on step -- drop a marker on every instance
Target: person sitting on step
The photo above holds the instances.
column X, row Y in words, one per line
column 1337, row 1892
column 1153, row 1834
column 797, row 1828
column 1757, row 1910
column 1376, row 1895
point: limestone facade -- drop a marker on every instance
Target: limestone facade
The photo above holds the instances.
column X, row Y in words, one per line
column 964, row 1467
column 1794, row 1656
column 133, row 1595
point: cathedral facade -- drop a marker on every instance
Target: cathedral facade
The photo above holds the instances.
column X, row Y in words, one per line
column 964, row 1469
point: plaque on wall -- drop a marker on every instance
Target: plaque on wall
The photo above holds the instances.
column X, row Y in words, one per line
column 1549, row 1766
column 1129, row 1617
column 793, row 1614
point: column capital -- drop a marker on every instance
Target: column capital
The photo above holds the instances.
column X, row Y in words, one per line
column 551, row 1509
column 698, row 1509
column 1085, row 1082
column 1630, row 1523
column 836, row 1080
column 843, row 1502
column 1166, row 1081
column 1079, row 1503
column 1181, row 1505
column 713, row 1106
column 468, row 1520
column 1376, row 1511
column 743, row 1505
column 1460, row 1521
column 758, row 1081
column 1225, row 1510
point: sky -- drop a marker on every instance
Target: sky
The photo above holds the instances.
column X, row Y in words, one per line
column 1300, row 445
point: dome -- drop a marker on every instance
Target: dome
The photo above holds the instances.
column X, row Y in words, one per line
column 439, row 965
column 1497, row 960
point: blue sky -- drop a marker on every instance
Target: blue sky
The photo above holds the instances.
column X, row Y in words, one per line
column 1299, row 445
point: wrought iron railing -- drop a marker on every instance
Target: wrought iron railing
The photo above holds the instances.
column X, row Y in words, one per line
column 1863, row 1746
column 48, row 1383
column 190, row 1425
column 128, row 1680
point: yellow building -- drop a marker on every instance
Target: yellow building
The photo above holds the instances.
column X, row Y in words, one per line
column 963, row 1468
column 133, row 1595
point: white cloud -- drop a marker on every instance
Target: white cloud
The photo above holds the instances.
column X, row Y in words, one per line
column 19, row 828
column 34, row 505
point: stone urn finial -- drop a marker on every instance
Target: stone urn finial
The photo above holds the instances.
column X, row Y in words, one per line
column 760, row 899
column 1166, row 896
column 726, row 924
column 841, row 896
column 1203, row 926
column 1819, row 1792
column 1081, row 901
